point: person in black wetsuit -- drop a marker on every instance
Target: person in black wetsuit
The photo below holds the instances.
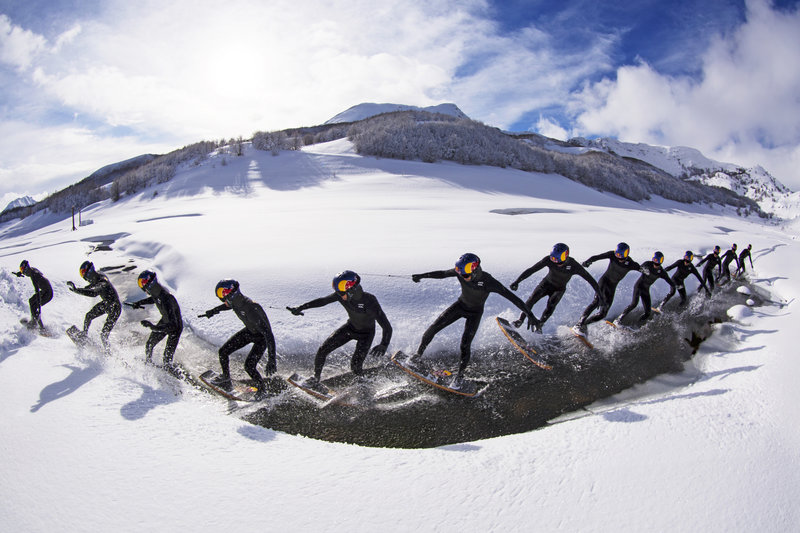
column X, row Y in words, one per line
column 43, row 293
column 725, row 267
column 711, row 261
column 742, row 256
column 651, row 272
column 476, row 285
column 619, row 264
column 99, row 285
column 561, row 269
column 256, row 330
column 363, row 311
column 684, row 268
column 170, row 325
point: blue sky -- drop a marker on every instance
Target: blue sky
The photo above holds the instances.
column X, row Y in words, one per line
column 88, row 83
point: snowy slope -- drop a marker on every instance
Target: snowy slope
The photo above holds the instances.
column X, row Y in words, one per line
column 755, row 183
column 109, row 444
column 366, row 110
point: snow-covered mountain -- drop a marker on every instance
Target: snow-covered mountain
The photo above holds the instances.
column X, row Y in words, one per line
column 366, row 110
column 754, row 183
column 19, row 202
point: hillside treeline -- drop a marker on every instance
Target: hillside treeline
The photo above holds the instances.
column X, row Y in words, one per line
column 123, row 180
column 430, row 138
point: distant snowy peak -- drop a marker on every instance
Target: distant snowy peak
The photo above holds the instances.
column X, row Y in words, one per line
column 24, row 201
column 681, row 161
column 366, row 110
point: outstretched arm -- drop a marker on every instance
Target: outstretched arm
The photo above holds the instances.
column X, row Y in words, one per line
column 435, row 274
column 319, row 302
column 214, row 311
column 529, row 272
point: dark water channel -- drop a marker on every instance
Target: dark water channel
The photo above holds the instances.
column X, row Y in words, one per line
column 390, row 409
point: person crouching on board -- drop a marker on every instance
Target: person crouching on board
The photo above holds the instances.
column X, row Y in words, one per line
column 170, row 325
column 651, row 272
column 257, row 331
column 43, row 293
column 561, row 267
column 99, row 285
column 476, row 286
column 363, row 311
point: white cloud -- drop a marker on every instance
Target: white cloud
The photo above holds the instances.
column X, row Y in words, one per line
column 18, row 47
column 743, row 109
column 70, row 153
column 549, row 128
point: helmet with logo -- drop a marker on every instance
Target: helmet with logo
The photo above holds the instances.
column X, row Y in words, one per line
column 733, row 247
column 226, row 288
column 717, row 249
column 24, row 266
column 560, row 253
column 622, row 250
column 86, row 269
column 658, row 258
column 345, row 282
column 146, row 280
column 688, row 256
column 468, row 264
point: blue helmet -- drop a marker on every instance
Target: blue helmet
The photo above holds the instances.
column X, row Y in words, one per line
column 658, row 258
column 24, row 266
column 226, row 288
column 87, row 267
column 344, row 282
column 146, row 280
column 717, row 249
column 622, row 250
column 688, row 256
column 560, row 253
column 468, row 264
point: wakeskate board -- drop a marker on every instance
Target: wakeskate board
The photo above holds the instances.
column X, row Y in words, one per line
column 519, row 342
column 239, row 390
column 441, row 379
column 315, row 388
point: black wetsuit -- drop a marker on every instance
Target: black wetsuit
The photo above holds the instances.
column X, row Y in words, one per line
column 711, row 261
column 170, row 325
column 684, row 268
column 469, row 306
column 742, row 256
column 725, row 269
column 257, row 331
column 554, row 284
column 43, row 293
column 363, row 311
column 651, row 272
column 607, row 284
column 99, row 285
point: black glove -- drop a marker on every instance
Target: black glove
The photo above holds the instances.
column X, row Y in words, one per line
column 147, row 324
column 134, row 305
column 514, row 286
column 533, row 322
column 18, row 274
column 415, row 278
column 378, row 351
column 295, row 310
column 71, row 286
column 272, row 366
column 586, row 264
column 208, row 314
